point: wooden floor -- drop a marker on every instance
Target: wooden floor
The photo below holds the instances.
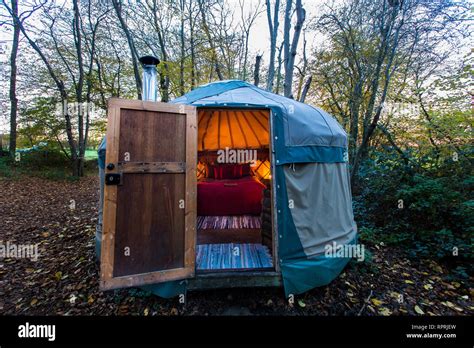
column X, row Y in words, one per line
column 241, row 235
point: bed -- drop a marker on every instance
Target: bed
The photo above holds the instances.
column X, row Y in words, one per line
column 238, row 196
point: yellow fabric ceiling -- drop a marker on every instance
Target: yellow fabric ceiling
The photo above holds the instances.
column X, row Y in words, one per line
column 233, row 128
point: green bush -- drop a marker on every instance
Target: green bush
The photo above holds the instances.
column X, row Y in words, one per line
column 48, row 156
column 427, row 209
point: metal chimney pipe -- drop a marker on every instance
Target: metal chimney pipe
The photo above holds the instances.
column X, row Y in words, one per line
column 149, row 84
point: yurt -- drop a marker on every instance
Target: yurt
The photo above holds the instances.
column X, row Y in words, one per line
column 228, row 185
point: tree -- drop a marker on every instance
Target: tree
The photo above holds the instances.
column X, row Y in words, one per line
column 160, row 22
column 246, row 22
column 131, row 44
column 205, row 27
column 13, row 74
column 370, row 46
column 256, row 72
column 273, row 28
column 62, row 53
column 303, row 89
column 290, row 50
column 16, row 20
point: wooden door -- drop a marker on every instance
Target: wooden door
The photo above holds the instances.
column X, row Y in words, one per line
column 149, row 225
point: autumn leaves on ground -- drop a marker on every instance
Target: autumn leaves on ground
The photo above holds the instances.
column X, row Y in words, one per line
column 64, row 280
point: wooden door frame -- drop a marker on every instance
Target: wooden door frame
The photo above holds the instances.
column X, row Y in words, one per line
column 273, row 191
column 274, row 210
column 108, row 281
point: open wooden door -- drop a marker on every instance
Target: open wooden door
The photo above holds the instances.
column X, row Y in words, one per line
column 149, row 225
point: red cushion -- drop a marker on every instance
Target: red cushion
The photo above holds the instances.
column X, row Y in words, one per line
column 213, row 171
column 228, row 171
column 244, row 169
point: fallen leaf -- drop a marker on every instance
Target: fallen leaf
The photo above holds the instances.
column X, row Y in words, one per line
column 58, row 275
column 419, row 310
column 376, row 302
column 428, row 286
column 394, row 295
column 385, row 311
column 449, row 286
column 436, row 268
column 409, row 281
column 452, row 306
column 33, row 302
column 448, row 304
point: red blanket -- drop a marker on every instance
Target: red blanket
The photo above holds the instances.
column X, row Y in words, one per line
column 230, row 196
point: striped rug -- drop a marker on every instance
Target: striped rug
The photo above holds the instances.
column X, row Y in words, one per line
column 232, row 256
column 224, row 222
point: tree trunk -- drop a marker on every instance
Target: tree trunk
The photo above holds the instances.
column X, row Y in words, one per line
column 290, row 52
column 164, row 73
column 306, row 88
column 80, row 84
column 182, row 51
column 13, row 76
column 211, row 42
column 246, row 53
column 278, row 82
column 386, row 52
column 256, row 72
column 138, row 81
column 273, row 28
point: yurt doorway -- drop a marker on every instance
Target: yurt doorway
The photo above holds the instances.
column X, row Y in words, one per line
column 234, row 191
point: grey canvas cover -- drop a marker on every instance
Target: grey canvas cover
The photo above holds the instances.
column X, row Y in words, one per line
column 320, row 203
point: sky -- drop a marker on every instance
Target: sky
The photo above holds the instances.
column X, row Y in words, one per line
column 259, row 43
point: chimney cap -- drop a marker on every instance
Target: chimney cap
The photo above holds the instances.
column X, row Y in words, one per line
column 149, row 60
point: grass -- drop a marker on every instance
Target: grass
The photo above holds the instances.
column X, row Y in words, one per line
column 50, row 171
column 90, row 154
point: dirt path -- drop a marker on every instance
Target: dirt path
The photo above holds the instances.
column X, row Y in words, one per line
column 64, row 279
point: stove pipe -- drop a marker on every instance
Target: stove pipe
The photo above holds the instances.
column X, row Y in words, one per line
column 149, row 84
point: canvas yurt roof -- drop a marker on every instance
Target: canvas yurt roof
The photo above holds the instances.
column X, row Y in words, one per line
column 309, row 133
